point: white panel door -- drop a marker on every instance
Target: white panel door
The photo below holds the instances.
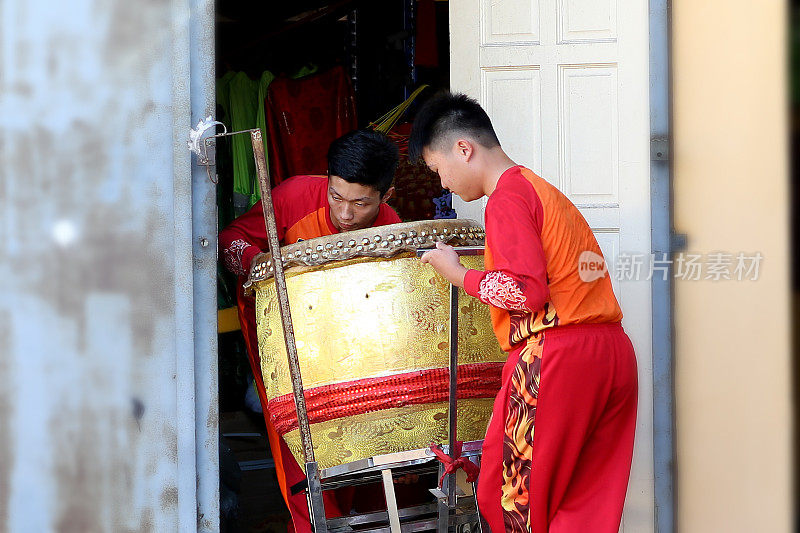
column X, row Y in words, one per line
column 566, row 85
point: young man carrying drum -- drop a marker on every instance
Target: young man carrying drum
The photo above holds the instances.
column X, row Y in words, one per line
column 571, row 371
column 361, row 166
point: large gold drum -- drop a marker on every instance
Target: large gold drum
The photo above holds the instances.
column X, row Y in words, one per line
column 371, row 326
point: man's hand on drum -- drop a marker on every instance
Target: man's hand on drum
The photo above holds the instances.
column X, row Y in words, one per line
column 445, row 261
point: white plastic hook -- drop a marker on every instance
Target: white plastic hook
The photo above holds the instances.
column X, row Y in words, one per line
column 196, row 135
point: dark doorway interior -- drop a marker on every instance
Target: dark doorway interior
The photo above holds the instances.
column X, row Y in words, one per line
column 387, row 50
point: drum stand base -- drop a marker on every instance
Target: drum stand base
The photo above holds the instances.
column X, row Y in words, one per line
column 453, row 512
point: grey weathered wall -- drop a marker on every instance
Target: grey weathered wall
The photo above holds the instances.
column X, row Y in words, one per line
column 97, row 389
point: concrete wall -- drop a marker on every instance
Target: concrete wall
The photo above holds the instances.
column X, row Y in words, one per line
column 732, row 342
column 97, row 388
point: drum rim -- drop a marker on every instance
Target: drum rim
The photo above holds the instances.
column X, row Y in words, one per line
column 379, row 241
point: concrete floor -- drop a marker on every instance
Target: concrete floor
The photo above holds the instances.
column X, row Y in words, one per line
column 260, row 505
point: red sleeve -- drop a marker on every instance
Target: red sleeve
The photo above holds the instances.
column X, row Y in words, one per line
column 242, row 240
column 246, row 237
column 518, row 279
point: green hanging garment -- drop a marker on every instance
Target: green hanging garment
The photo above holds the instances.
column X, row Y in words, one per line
column 244, row 110
column 261, row 122
column 247, row 112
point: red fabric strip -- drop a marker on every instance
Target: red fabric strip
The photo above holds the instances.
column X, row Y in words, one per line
column 350, row 398
column 454, row 462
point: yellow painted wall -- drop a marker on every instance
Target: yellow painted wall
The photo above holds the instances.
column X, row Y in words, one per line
column 732, row 337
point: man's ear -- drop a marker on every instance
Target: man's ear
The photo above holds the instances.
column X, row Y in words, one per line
column 464, row 149
column 388, row 195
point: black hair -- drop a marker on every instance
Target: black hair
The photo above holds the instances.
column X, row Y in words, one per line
column 365, row 157
column 445, row 115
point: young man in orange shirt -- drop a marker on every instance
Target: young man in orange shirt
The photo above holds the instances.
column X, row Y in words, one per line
column 571, row 371
column 361, row 166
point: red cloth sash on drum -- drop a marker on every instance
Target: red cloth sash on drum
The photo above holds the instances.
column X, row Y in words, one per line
column 350, row 398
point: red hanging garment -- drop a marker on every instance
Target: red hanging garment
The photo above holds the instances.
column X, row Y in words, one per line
column 303, row 117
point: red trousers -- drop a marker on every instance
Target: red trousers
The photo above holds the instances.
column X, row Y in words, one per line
column 577, row 386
